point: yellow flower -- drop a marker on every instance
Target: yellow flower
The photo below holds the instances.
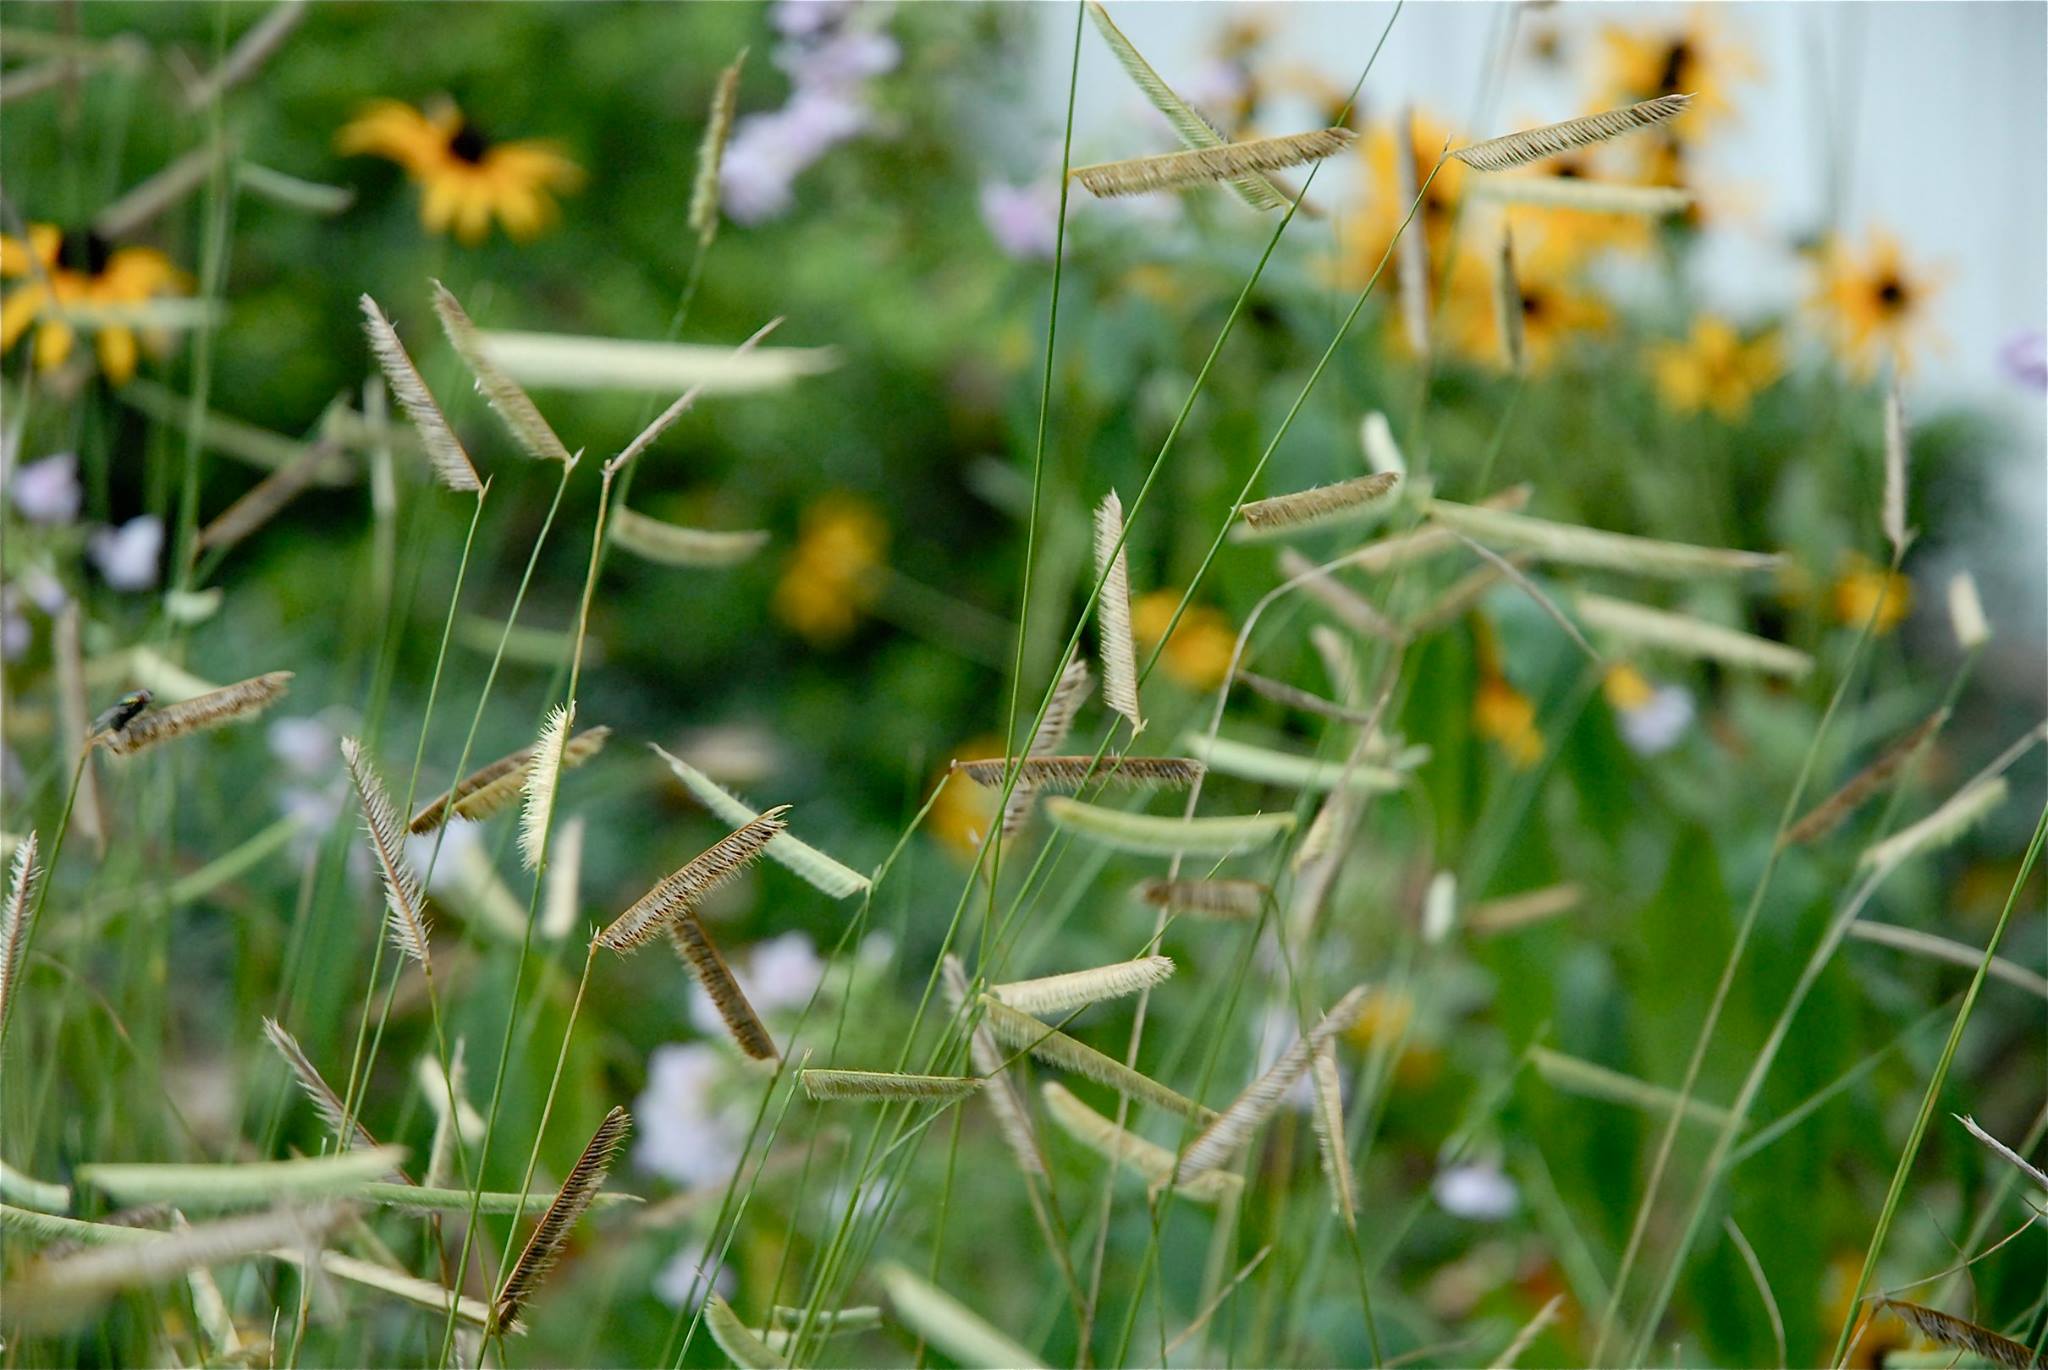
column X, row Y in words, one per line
column 1367, row 232
column 1865, row 588
column 1556, row 309
column 1505, row 715
column 1198, row 654
column 59, row 273
column 1583, row 230
column 1879, row 1331
column 961, row 815
column 1383, row 1018
column 1875, row 302
column 1626, row 688
column 1695, row 58
column 466, row 177
column 830, row 576
column 1715, row 369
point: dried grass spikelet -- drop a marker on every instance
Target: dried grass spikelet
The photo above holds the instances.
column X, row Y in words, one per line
column 1290, row 770
column 989, row 1061
column 1459, row 597
column 1328, row 1119
column 1055, row 994
column 868, row 1086
column 670, row 544
column 1206, row 165
column 1534, row 144
column 1340, row 663
column 1411, row 250
column 1023, row 1032
column 1425, row 543
column 1073, row 772
column 538, row 786
column 682, row 404
column 694, row 945
column 1965, row 1335
column 405, row 904
column 1531, row 1330
column 1576, row 193
column 741, row 1344
column 815, row 868
column 544, row 1247
column 1511, row 911
column 1125, row 1148
column 1894, row 514
column 1058, row 720
column 1321, row 504
column 1588, row 1080
column 1966, row 612
column 2005, row 1153
column 1507, row 305
column 1914, row 942
column 1824, row 817
column 211, row 710
column 266, row 499
column 1345, row 604
column 489, row 789
column 514, row 407
column 1228, row 1135
column 1189, row 124
column 1230, row 901
column 725, row 98
column 948, row 1324
column 1113, row 613
column 1688, row 636
column 452, row 466
column 1280, row 692
column 682, row 891
column 21, row 885
column 1578, row 546
column 1160, row 835
column 318, row 1092
column 1961, row 812
column 561, row 898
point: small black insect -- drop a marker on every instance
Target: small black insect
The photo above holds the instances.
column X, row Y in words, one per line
column 122, row 714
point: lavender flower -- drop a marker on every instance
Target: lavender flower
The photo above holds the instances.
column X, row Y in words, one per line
column 1024, row 220
column 1477, row 1191
column 681, row 1134
column 2025, row 358
column 47, row 491
column 127, row 556
column 1655, row 727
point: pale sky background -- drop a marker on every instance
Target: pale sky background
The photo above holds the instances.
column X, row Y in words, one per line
column 1943, row 106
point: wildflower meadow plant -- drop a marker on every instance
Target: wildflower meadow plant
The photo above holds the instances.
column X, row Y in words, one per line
column 1340, row 765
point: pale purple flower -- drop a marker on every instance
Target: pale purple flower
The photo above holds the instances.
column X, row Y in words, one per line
column 1478, row 1192
column 1656, row 726
column 840, row 62
column 802, row 18
column 1024, row 220
column 680, row 1133
column 45, row 591
column 769, row 151
column 15, row 632
column 47, row 491
column 306, row 746
column 779, row 974
column 127, row 556
column 2025, row 358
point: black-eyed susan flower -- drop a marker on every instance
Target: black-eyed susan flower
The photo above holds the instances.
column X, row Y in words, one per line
column 1864, row 588
column 1875, row 303
column 1696, row 58
column 1368, row 232
column 59, row 273
column 465, row 178
column 1715, row 369
column 1198, row 653
column 830, row 579
column 1556, row 307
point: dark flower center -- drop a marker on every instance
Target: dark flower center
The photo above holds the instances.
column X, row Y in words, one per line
column 83, row 251
column 1534, row 306
column 1676, row 59
column 469, row 144
column 1892, row 294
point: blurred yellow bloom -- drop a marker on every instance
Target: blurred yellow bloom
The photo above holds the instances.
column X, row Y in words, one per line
column 1198, row 654
column 466, row 177
column 1503, row 714
column 59, row 274
column 1715, row 369
column 1860, row 588
column 1383, row 1018
column 1696, row 58
column 830, row 579
column 1879, row 1331
column 1557, row 310
column 1874, row 303
column 1583, row 230
column 1368, row 231
column 1626, row 688
column 964, row 811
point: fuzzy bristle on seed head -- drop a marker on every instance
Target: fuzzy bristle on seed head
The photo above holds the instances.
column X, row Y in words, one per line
column 451, row 463
column 671, row 544
column 1073, row 772
column 1965, row 1335
column 989, row 1060
column 1056, row 994
column 538, row 787
column 1207, row 165
column 1068, row 695
column 1113, row 613
column 1232, row 1129
column 1534, row 144
column 1305, row 508
column 1125, row 1148
column 489, row 789
column 1224, row 900
column 694, row 945
column 1057, row 1049
column 318, row 1092
column 703, row 218
column 21, row 884
column 405, row 903
column 544, row 1247
column 210, row 710
column 868, row 1086
column 681, row 892
column 1824, row 817
column 1966, row 612
column 513, row 406
column 1330, row 1138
